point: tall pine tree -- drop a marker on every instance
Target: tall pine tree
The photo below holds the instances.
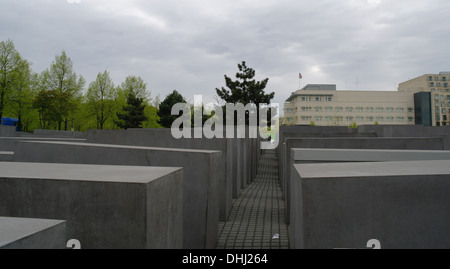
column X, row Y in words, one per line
column 133, row 113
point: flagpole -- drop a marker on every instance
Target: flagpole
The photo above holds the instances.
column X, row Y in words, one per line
column 300, row 81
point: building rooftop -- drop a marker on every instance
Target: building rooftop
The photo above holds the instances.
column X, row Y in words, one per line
column 313, row 87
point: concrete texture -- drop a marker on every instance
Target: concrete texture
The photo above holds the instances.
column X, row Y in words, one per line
column 409, row 143
column 106, row 207
column 6, row 156
column 201, row 177
column 7, row 131
column 401, row 204
column 56, row 134
column 164, row 138
column 22, row 233
column 8, row 143
column 355, row 155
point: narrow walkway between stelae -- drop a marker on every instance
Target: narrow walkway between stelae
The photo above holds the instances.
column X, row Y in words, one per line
column 257, row 218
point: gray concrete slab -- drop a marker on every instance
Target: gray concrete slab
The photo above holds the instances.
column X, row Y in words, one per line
column 343, row 205
column 201, row 177
column 126, row 207
column 23, row 233
column 353, row 155
column 58, row 134
column 7, row 131
column 8, row 143
column 405, row 143
column 164, row 138
column 6, row 156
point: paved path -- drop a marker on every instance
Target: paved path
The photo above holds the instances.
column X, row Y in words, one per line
column 258, row 214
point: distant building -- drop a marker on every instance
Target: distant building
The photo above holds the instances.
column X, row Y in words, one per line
column 323, row 105
column 432, row 98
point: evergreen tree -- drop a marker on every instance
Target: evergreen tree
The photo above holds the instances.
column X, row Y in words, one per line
column 165, row 109
column 245, row 89
column 133, row 114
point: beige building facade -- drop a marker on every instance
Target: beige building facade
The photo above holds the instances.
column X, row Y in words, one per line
column 323, row 105
column 438, row 87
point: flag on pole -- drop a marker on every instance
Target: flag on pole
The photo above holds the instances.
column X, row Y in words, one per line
column 300, row 75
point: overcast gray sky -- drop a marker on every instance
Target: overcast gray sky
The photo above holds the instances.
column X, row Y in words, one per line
column 190, row 45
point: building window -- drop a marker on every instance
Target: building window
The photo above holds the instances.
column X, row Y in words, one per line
column 369, row 109
column 329, row 109
column 411, row 119
column 370, row 118
column 438, row 110
column 349, row 118
column 410, row 109
column 318, row 109
column 359, row 118
column 431, row 84
column 444, row 79
column 390, row 109
column 442, row 97
column 318, row 99
column 430, row 78
column 444, row 111
column 400, row 109
column 318, row 118
column 438, row 84
column 289, row 110
column 306, row 118
column 390, row 119
column 445, row 85
column 289, row 119
column 328, row 118
column 349, row 109
column 306, row 108
column 438, row 117
column 379, row 119
column 436, row 96
column 359, row 109
column 443, row 104
column 329, row 98
column 400, row 119
column 380, row 109
column 306, row 98
column 339, row 109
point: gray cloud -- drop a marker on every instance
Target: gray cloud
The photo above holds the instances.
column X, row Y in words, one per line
column 190, row 45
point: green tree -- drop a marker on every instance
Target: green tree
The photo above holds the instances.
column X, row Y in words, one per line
column 165, row 109
column 137, row 87
column 152, row 117
column 45, row 104
column 62, row 79
column 22, row 95
column 101, row 97
column 245, row 89
column 133, row 114
column 9, row 63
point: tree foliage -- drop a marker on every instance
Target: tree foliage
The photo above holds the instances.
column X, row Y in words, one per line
column 165, row 109
column 101, row 98
column 133, row 114
column 10, row 62
column 245, row 89
column 64, row 85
